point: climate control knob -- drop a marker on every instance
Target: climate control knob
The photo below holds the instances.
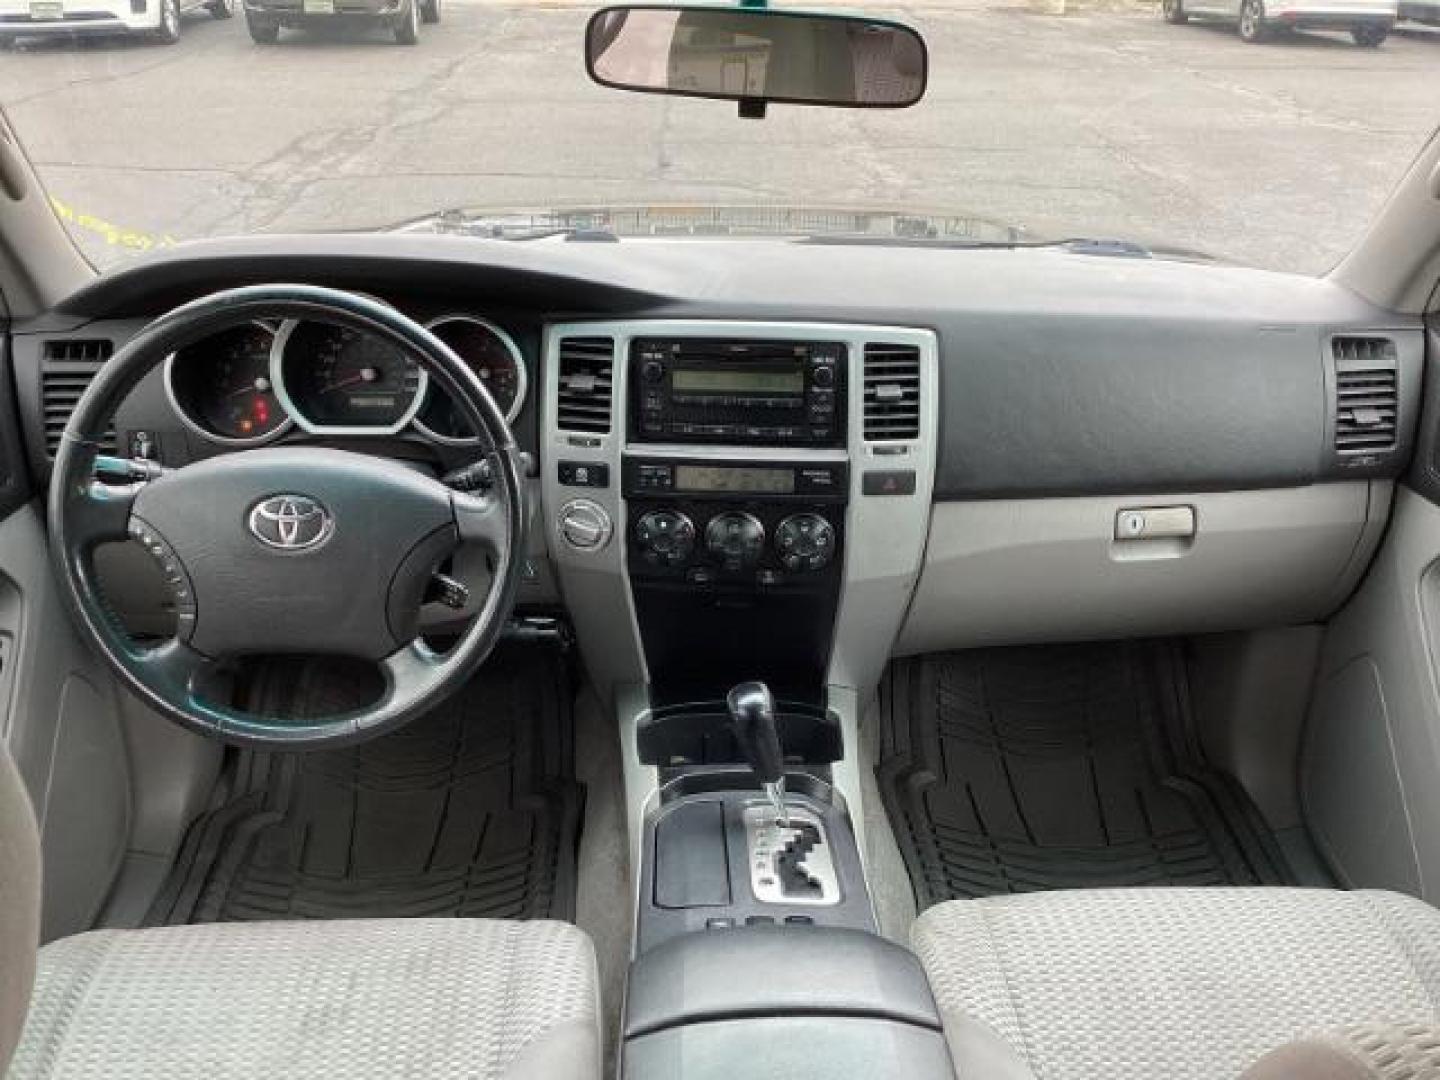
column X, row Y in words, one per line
column 805, row 542
column 735, row 539
column 665, row 537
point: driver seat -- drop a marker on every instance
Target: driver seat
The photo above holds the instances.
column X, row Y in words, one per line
column 431, row 998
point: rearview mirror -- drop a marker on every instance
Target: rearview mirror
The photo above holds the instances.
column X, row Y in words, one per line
column 757, row 55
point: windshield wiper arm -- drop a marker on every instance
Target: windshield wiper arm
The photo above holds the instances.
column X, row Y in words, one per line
column 572, row 233
column 1080, row 245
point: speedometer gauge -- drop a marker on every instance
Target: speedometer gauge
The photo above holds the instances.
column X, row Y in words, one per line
column 338, row 380
column 489, row 352
column 220, row 387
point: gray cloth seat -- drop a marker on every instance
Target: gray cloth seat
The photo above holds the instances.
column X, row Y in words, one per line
column 1179, row 983
column 431, row 998
column 1357, row 1052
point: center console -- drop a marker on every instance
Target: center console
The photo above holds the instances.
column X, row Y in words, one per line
column 737, row 514
column 735, row 566
column 735, row 554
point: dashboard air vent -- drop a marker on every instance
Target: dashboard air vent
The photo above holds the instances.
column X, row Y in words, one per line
column 66, row 369
column 892, row 392
column 584, row 400
column 1366, row 398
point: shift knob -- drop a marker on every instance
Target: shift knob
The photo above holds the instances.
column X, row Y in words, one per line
column 752, row 711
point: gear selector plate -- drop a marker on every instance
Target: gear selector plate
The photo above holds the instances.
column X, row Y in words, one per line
column 790, row 863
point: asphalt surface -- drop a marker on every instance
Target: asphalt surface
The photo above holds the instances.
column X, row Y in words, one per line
column 1101, row 124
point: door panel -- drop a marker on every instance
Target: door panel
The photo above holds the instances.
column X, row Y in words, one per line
column 14, row 477
column 61, row 722
column 57, row 705
column 1370, row 772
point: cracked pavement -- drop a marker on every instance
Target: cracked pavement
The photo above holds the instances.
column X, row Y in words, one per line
column 1098, row 124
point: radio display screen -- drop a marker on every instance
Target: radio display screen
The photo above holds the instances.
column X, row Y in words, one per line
column 733, row 478
column 729, row 381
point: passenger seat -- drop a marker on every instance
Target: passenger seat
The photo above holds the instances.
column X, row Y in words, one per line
column 1182, row 983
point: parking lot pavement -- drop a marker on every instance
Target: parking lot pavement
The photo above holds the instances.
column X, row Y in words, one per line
column 1111, row 124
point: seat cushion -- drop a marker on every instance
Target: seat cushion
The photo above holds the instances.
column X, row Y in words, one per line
column 1181, row 983
column 1357, row 1052
column 430, row 998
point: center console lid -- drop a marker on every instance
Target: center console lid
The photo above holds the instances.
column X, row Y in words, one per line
column 776, row 971
column 773, row 1003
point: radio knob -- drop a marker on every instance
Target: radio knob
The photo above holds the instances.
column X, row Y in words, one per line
column 736, row 539
column 585, row 525
column 665, row 537
column 805, row 542
column 652, row 371
column 823, row 375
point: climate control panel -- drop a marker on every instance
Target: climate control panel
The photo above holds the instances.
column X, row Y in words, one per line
column 748, row 544
column 734, row 526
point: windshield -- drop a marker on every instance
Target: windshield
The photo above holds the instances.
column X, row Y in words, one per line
column 1173, row 127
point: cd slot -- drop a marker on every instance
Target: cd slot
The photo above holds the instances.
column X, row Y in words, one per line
column 735, row 392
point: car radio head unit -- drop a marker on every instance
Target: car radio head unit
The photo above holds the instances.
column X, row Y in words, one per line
column 738, row 392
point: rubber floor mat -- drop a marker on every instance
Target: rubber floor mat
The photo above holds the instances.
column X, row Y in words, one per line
column 471, row 810
column 1025, row 769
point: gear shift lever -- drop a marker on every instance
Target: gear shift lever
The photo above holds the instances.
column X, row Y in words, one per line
column 752, row 711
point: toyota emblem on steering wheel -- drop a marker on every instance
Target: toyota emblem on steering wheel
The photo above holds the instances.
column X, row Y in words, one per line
column 291, row 522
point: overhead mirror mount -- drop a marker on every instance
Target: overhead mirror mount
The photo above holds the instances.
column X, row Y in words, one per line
column 757, row 56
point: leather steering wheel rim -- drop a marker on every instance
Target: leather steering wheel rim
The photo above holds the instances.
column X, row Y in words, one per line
column 84, row 513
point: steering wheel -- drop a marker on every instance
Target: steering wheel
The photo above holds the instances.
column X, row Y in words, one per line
column 290, row 549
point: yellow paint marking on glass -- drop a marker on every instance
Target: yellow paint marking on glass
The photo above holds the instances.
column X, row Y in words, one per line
column 115, row 236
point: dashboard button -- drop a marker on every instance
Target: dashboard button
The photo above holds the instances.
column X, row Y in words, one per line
column 888, row 482
column 583, row 474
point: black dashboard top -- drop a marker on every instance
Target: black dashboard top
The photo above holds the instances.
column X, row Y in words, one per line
column 1061, row 373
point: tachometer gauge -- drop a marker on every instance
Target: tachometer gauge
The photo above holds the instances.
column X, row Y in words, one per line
column 221, row 387
column 337, row 380
column 489, row 352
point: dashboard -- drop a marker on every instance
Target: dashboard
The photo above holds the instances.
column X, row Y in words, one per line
column 248, row 385
column 1076, row 447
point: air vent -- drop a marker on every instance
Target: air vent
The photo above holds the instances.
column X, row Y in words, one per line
column 65, row 372
column 1366, row 398
column 586, row 366
column 892, row 392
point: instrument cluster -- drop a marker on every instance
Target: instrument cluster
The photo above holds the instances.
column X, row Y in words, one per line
column 249, row 384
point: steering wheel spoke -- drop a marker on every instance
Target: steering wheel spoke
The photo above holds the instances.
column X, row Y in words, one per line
column 411, row 669
column 100, row 513
column 175, row 664
column 482, row 521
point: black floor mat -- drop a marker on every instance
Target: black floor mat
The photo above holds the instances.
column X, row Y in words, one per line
column 1018, row 770
column 472, row 810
